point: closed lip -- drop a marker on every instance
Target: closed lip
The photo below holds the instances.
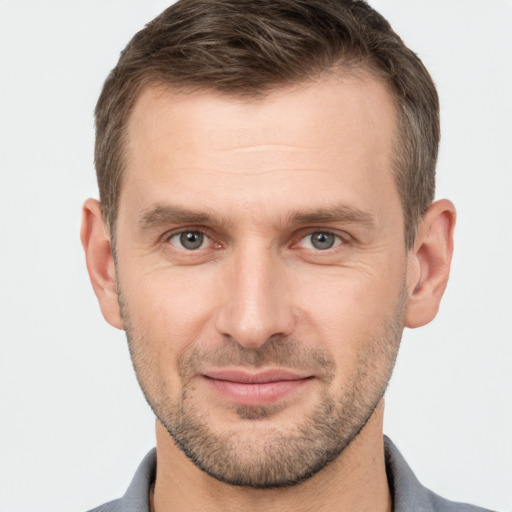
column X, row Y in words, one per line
column 243, row 376
column 255, row 389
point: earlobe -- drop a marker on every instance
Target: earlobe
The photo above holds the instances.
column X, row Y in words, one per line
column 100, row 261
column 429, row 263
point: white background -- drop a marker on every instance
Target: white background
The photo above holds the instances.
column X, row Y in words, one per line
column 73, row 423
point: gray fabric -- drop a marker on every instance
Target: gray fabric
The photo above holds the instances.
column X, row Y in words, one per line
column 408, row 494
column 136, row 498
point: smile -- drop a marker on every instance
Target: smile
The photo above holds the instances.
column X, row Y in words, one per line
column 255, row 389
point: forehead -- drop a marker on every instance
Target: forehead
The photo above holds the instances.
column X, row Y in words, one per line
column 350, row 102
column 325, row 136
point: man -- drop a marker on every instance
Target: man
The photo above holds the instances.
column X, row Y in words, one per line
column 265, row 232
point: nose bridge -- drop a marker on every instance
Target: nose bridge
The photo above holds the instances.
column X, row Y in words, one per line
column 256, row 304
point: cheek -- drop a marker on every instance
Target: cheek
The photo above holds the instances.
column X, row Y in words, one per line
column 169, row 306
column 168, row 313
column 346, row 308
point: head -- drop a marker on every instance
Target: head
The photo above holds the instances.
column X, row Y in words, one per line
column 266, row 176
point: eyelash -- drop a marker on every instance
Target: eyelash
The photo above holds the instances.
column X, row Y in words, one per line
column 169, row 236
column 340, row 239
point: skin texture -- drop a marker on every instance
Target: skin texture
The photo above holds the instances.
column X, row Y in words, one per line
column 258, row 178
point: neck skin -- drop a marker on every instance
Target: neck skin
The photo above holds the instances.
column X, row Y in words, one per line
column 355, row 481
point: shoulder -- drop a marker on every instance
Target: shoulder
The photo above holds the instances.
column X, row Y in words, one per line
column 111, row 506
column 409, row 494
column 439, row 504
column 136, row 498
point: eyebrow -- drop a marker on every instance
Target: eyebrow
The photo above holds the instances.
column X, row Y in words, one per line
column 165, row 215
column 334, row 214
column 161, row 215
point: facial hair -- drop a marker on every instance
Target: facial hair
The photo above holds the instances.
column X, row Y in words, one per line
column 273, row 457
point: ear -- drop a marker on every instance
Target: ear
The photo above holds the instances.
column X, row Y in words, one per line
column 100, row 262
column 429, row 263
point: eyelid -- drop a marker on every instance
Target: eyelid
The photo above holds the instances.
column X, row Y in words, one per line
column 343, row 236
column 166, row 237
column 338, row 241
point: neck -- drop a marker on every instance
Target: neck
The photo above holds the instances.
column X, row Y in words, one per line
column 355, row 481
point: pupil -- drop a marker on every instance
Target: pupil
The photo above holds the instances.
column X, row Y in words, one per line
column 322, row 240
column 191, row 240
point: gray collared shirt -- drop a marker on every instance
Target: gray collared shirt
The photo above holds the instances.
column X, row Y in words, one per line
column 407, row 492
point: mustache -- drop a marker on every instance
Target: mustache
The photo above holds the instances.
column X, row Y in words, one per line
column 276, row 351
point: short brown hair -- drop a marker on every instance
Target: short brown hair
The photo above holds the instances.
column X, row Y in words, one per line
column 249, row 47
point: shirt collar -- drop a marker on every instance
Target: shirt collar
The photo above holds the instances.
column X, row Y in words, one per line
column 406, row 491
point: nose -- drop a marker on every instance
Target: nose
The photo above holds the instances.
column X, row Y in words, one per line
column 257, row 302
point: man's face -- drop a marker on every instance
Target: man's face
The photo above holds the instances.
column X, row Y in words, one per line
column 262, row 269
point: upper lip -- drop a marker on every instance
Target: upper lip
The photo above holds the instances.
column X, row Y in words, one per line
column 261, row 377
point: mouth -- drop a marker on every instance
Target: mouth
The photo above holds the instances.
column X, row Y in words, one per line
column 255, row 389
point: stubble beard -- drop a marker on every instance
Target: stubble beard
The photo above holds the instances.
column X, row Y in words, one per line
column 247, row 455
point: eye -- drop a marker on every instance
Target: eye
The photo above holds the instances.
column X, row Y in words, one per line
column 320, row 241
column 189, row 240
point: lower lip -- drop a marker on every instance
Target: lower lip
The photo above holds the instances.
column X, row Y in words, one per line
column 256, row 394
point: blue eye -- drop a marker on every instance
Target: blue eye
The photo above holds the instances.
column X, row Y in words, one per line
column 190, row 240
column 320, row 240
